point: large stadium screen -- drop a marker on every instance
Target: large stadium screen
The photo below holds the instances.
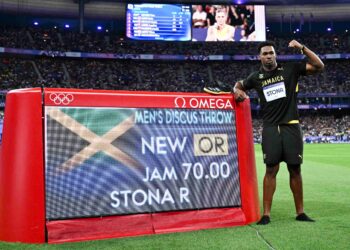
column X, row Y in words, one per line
column 164, row 22
column 228, row 23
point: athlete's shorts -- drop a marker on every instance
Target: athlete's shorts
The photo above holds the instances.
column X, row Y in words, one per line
column 282, row 143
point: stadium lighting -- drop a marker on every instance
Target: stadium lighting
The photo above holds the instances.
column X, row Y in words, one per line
column 66, row 26
column 99, row 28
column 36, row 23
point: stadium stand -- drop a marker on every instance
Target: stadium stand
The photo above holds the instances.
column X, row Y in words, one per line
column 66, row 40
column 18, row 71
column 189, row 76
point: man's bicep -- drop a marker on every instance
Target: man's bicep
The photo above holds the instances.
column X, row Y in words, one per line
column 310, row 69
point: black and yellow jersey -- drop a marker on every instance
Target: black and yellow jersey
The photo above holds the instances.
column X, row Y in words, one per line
column 277, row 90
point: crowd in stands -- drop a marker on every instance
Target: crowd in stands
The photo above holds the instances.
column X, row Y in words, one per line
column 66, row 40
column 14, row 37
column 321, row 129
column 187, row 76
column 316, row 129
column 335, row 79
column 17, row 73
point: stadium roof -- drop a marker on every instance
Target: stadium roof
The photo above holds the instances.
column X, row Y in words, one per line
column 266, row 2
column 337, row 10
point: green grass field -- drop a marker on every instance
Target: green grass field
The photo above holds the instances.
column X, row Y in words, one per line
column 326, row 175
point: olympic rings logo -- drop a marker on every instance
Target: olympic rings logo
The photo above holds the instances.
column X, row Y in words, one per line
column 61, row 98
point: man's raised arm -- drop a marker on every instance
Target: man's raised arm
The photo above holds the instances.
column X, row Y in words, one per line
column 314, row 65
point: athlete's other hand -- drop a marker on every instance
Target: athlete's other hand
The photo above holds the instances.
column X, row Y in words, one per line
column 240, row 95
column 295, row 44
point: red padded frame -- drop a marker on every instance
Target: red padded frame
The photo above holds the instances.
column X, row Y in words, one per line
column 22, row 196
column 22, row 184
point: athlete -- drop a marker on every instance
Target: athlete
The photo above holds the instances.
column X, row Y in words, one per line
column 220, row 31
column 277, row 86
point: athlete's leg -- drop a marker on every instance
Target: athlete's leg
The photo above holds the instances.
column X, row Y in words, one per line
column 269, row 187
column 272, row 153
column 296, row 185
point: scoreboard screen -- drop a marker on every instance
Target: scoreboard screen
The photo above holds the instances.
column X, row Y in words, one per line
column 139, row 160
column 164, row 22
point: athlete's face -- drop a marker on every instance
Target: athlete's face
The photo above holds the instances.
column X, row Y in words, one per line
column 220, row 18
column 268, row 57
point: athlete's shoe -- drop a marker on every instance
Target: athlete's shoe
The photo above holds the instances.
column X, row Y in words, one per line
column 218, row 89
column 304, row 217
column 265, row 219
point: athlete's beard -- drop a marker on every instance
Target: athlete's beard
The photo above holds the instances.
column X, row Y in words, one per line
column 270, row 66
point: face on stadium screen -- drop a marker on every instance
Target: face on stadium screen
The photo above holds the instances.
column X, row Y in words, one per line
column 248, row 22
column 221, row 18
column 116, row 161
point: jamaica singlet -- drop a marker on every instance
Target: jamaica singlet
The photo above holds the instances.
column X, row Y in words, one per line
column 277, row 91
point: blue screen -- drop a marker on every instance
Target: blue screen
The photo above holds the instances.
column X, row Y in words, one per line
column 164, row 22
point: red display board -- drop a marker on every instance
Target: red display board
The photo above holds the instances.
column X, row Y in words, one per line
column 67, row 154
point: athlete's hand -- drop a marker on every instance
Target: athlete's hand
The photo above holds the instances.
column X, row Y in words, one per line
column 240, row 95
column 295, row 44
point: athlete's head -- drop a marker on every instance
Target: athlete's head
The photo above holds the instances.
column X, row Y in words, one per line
column 221, row 17
column 267, row 55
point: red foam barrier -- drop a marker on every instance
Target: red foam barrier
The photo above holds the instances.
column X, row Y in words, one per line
column 246, row 162
column 99, row 228
column 22, row 173
column 22, row 199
